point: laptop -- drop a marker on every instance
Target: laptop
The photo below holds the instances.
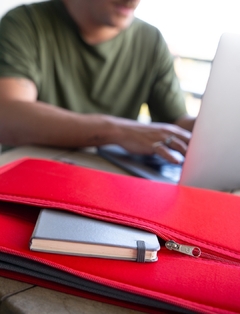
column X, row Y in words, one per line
column 213, row 157
column 149, row 167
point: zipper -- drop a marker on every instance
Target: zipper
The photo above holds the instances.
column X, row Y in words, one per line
column 183, row 248
column 196, row 252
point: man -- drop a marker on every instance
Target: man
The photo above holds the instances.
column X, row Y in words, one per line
column 95, row 64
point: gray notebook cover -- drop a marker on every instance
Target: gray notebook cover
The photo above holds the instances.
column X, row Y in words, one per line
column 64, row 226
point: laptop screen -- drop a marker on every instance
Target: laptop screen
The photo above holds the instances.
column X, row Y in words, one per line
column 213, row 157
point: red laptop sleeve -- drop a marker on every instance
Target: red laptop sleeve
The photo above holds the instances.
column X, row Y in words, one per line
column 198, row 268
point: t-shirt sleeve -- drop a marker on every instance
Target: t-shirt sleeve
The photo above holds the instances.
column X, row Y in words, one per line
column 166, row 101
column 18, row 46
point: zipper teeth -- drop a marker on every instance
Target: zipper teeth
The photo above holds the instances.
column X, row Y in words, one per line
column 210, row 255
column 223, row 259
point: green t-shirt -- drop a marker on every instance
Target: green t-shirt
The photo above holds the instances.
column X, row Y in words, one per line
column 42, row 43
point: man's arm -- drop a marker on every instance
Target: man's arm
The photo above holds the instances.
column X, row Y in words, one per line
column 186, row 122
column 24, row 120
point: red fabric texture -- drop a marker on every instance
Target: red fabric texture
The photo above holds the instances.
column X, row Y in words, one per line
column 207, row 219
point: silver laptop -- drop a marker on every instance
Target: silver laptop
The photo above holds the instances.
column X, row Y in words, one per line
column 213, row 156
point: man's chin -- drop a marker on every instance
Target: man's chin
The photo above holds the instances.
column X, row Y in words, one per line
column 122, row 22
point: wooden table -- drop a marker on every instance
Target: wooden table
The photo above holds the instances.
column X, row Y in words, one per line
column 17, row 297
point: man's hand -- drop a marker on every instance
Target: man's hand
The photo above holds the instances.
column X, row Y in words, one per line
column 156, row 138
column 24, row 121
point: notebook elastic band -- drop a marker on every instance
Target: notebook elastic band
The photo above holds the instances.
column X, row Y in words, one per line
column 141, row 249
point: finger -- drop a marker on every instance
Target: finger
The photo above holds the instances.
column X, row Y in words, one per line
column 183, row 135
column 177, row 144
column 162, row 150
column 180, row 133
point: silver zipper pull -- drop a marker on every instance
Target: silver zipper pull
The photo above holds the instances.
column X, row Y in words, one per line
column 185, row 249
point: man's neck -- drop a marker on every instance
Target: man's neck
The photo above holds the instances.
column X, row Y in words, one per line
column 94, row 36
column 92, row 33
